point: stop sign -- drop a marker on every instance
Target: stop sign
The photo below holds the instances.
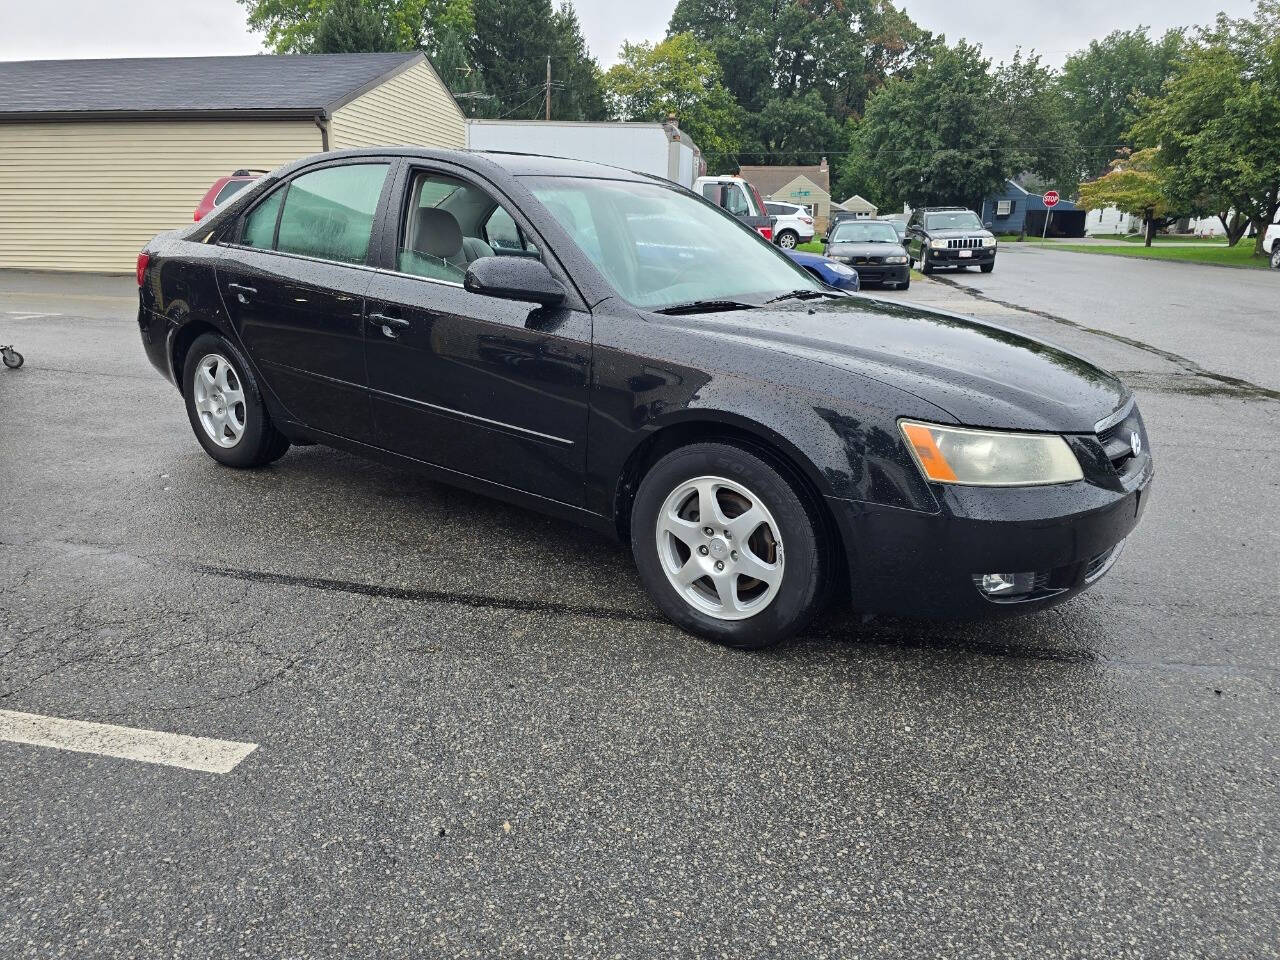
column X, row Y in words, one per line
column 1051, row 198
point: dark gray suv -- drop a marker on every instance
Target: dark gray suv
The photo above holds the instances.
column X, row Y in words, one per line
column 949, row 237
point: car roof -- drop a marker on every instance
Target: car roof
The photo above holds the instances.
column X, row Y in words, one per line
column 515, row 164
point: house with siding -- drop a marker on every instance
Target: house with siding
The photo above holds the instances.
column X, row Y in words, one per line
column 97, row 156
column 1015, row 207
column 809, row 186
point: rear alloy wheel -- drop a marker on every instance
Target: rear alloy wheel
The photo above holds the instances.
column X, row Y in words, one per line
column 788, row 239
column 726, row 547
column 1275, row 255
column 225, row 406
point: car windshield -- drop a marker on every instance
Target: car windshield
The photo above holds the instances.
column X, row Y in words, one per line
column 855, row 231
column 953, row 220
column 660, row 247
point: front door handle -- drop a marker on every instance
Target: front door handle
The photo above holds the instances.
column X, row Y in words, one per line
column 391, row 326
column 243, row 293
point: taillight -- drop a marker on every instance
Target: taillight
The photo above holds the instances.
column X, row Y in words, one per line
column 196, row 216
column 144, row 258
column 766, row 232
column 806, row 219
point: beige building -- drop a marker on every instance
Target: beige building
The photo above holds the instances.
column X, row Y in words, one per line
column 859, row 206
column 98, row 156
column 806, row 185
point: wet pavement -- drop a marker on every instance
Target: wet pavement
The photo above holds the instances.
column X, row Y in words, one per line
column 476, row 738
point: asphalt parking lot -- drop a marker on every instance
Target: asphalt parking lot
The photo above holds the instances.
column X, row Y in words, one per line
column 472, row 736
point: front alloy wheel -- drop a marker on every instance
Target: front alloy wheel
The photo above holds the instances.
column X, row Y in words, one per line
column 720, row 548
column 727, row 545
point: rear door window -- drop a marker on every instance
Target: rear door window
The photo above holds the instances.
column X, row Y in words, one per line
column 328, row 213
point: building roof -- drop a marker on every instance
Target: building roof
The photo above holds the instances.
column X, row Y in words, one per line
column 770, row 179
column 859, row 204
column 176, row 86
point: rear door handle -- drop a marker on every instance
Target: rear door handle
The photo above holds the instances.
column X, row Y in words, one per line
column 390, row 325
column 243, row 293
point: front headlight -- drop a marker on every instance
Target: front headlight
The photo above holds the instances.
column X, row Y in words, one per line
column 895, row 259
column 938, row 244
column 842, row 270
column 988, row 241
column 990, row 458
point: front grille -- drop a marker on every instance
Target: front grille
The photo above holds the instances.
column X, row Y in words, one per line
column 864, row 260
column 964, row 243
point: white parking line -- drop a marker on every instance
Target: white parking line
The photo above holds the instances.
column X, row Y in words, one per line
column 108, row 740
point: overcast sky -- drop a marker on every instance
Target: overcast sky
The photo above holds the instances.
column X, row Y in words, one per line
column 51, row 29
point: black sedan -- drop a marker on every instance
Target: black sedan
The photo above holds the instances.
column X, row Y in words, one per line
column 532, row 328
column 874, row 249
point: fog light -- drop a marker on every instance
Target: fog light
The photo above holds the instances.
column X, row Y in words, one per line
column 1010, row 586
column 993, row 583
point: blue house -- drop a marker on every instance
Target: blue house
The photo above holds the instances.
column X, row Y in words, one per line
column 1013, row 208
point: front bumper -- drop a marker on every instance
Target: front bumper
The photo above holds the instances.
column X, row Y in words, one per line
column 955, row 257
column 882, row 273
column 912, row 563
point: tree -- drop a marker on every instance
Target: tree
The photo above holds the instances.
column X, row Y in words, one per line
column 940, row 135
column 678, row 76
column 1048, row 143
column 796, row 129
column 1215, row 128
column 769, row 49
column 497, row 48
column 1104, row 83
column 1135, row 187
column 579, row 94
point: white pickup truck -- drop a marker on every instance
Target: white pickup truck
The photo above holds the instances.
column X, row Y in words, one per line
column 740, row 198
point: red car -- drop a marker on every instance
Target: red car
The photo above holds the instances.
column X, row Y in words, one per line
column 223, row 189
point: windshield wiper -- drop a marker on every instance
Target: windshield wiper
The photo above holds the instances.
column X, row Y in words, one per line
column 706, row 306
column 804, row 295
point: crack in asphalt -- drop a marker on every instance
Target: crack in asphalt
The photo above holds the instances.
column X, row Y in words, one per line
column 1233, row 385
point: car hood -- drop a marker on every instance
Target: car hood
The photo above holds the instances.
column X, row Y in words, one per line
column 865, row 250
column 981, row 374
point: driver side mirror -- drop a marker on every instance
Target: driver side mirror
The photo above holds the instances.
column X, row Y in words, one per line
column 988, row 224
column 514, row 278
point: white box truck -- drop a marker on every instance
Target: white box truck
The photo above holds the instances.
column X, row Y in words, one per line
column 661, row 149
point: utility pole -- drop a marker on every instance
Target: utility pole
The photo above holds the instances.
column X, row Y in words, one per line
column 548, row 88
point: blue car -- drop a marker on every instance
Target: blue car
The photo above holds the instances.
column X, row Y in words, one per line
column 831, row 272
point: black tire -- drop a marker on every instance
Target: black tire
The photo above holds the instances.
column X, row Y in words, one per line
column 988, row 267
column 1275, row 255
column 905, row 284
column 260, row 442
column 12, row 358
column 784, row 236
column 801, row 592
column 925, row 266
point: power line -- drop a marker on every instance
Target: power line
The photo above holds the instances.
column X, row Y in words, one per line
column 838, row 153
column 521, row 106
